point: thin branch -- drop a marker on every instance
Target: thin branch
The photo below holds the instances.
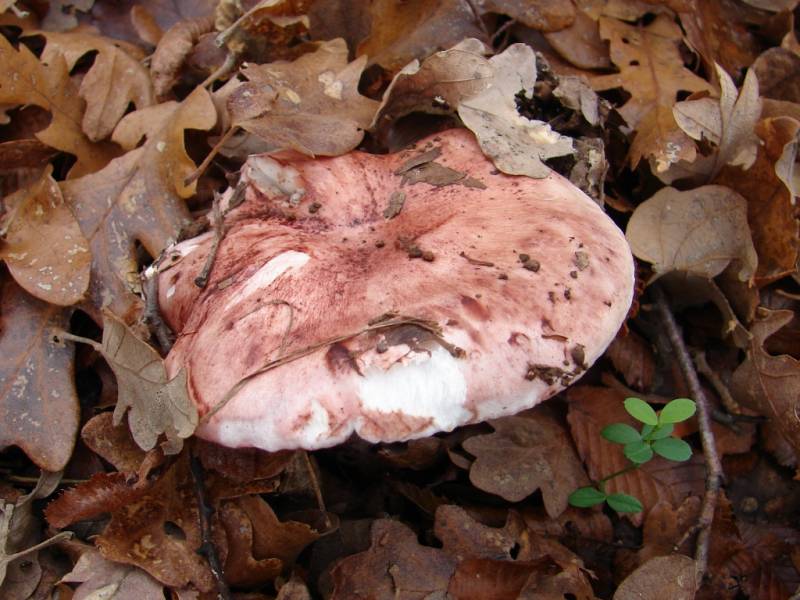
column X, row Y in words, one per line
column 152, row 314
column 713, row 466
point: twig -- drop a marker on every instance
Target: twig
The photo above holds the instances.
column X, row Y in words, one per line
column 218, row 223
column 195, row 175
column 226, row 67
column 152, row 314
column 312, row 475
column 207, row 548
column 722, row 390
column 713, row 466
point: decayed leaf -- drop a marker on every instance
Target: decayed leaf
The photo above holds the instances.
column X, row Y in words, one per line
column 779, row 70
column 38, row 403
column 137, row 197
column 516, row 145
column 157, row 404
column 652, row 71
column 580, row 43
column 770, row 384
column 25, row 80
column 115, row 80
column 590, row 410
column 404, row 31
column 526, row 453
column 311, row 105
column 102, row 493
column 100, row 579
column 661, row 577
column 395, row 566
column 769, row 186
column 43, row 246
column 541, row 15
column 172, row 50
column 632, row 356
column 699, row 231
column 728, row 123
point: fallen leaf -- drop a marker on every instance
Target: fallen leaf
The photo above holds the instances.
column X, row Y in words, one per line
column 158, row 405
column 43, row 246
column 632, row 356
column 173, row 48
column 26, row 80
column 661, row 577
column 311, row 105
column 100, row 578
column 294, row 589
column 395, row 566
column 516, row 145
column 699, row 231
column 580, row 43
column 464, row 537
column 137, row 197
column 38, row 402
column 778, row 72
column 526, row 453
column 541, row 15
column 590, row 410
column 652, row 71
column 769, row 187
column 102, row 493
column 115, row 80
column 346, row 19
column 496, row 580
column 770, row 384
column 402, row 32
column 114, row 443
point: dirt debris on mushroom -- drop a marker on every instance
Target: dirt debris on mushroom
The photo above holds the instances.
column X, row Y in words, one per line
column 300, row 340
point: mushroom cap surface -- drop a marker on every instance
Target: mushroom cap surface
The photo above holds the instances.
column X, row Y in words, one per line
column 349, row 296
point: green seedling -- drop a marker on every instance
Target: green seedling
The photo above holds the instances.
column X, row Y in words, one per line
column 639, row 447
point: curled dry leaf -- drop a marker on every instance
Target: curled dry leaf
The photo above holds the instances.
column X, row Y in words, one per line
column 661, row 577
column 26, row 80
column 483, row 92
column 395, row 566
column 541, row 15
column 311, row 105
column 38, row 402
column 115, row 80
column 526, row 453
column 157, row 404
column 699, row 231
column 770, row 384
column 100, row 578
column 652, row 71
column 173, row 48
column 137, row 197
column 43, row 246
column 405, row 31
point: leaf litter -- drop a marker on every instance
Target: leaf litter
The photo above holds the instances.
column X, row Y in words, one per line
column 680, row 118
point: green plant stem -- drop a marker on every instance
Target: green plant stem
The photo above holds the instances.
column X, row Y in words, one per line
column 601, row 485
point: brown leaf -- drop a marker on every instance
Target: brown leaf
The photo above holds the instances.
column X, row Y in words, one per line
column 172, row 50
column 769, row 186
column 113, row 443
column 394, row 566
column 115, row 80
column 311, row 105
column 770, row 384
column 778, row 72
column 541, row 15
column 404, row 31
column 652, row 71
column 137, row 197
column 38, row 402
column 661, row 577
column 632, row 356
column 700, row 231
column 241, row 465
column 100, row 578
column 103, row 493
column 590, row 410
column 485, row 579
column 665, row 526
column 580, row 43
column 26, row 80
column 526, row 453
column 464, row 537
column 242, row 567
column 43, row 246
column 158, row 405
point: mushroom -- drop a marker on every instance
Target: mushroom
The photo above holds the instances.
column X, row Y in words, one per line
column 390, row 296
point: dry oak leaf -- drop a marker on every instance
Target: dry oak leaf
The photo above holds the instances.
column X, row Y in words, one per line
column 26, row 80
column 137, row 197
column 115, row 80
column 541, row 15
column 173, row 48
column 43, row 246
column 580, row 43
column 394, row 566
column 38, row 404
column 526, row 453
column 100, row 579
column 700, row 232
column 590, row 410
column 670, row 577
column 652, row 71
column 771, row 384
column 770, row 186
column 311, row 105
column 158, row 405
column 414, row 29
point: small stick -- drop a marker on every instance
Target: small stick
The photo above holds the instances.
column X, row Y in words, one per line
column 724, row 393
column 312, row 475
column 210, row 156
column 152, row 314
column 713, row 466
column 218, row 223
column 207, row 548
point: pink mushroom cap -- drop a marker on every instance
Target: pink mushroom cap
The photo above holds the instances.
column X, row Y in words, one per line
column 327, row 314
